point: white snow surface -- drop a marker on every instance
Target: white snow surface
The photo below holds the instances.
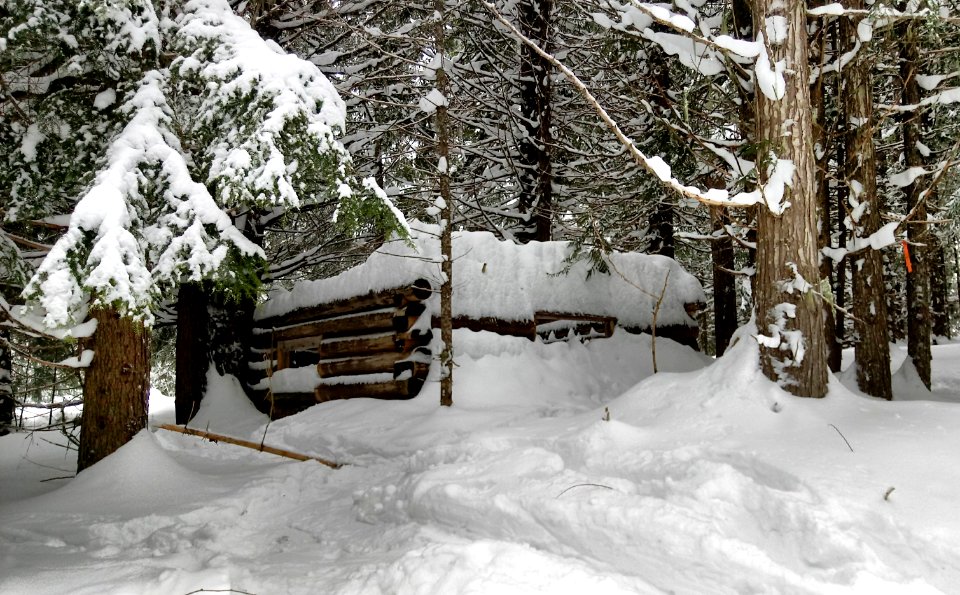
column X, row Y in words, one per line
column 770, row 78
column 509, row 281
column 705, row 479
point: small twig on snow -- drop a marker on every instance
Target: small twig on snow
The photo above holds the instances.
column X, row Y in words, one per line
column 220, row 591
column 581, row 485
column 842, row 436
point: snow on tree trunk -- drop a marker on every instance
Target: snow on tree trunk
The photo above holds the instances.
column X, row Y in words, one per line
column 536, row 174
column 6, row 384
column 193, row 353
column 442, row 122
column 788, row 311
column 116, row 387
column 869, row 290
column 840, row 278
column 918, row 281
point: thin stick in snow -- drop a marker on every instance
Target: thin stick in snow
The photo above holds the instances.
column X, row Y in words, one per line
column 252, row 445
column 842, row 436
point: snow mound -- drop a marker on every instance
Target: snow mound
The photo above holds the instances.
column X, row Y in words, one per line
column 499, row 381
column 225, row 407
column 561, row 468
column 511, row 282
column 141, row 475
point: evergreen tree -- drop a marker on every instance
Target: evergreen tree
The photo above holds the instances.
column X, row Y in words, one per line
column 189, row 126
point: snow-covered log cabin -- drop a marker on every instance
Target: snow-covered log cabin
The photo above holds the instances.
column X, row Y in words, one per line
column 372, row 331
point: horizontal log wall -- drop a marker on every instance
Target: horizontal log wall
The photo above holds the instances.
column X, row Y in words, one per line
column 354, row 344
column 347, row 341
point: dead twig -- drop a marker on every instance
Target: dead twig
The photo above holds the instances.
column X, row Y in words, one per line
column 584, row 485
column 248, row 444
column 220, row 591
column 842, row 436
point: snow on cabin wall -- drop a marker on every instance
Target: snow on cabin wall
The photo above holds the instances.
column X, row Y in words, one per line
column 509, row 281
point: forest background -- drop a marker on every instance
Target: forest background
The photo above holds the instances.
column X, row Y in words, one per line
column 170, row 161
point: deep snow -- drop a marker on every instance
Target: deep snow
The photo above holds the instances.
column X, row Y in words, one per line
column 705, row 479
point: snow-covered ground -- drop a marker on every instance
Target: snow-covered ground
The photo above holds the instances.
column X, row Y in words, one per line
column 561, row 468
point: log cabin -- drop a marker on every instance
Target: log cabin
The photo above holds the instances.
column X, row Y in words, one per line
column 372, row 331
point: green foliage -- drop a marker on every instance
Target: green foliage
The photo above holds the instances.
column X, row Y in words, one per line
column 156, row 164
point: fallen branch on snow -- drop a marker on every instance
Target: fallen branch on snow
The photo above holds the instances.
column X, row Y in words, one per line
column 248, row 444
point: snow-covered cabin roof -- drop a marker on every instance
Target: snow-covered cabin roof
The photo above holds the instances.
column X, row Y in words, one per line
column 507, row 281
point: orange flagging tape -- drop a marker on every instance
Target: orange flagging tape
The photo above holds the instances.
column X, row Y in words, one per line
column 906, row 255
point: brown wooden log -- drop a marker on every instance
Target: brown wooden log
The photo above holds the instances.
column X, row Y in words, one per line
column 354, row 346
column 396, row 343
column 301, row 344
column 408, row 317
column 394, row 389
column 543, row 317
column 514, row 328
column 283, row 359
column 417, row 369
column 374, row 364
column 280, row 405
column 418, row 291
column 248, row 444
column 377, row 321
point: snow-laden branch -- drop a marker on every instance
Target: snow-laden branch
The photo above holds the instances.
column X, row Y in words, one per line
column 883, row 14
column 699, row 52
column 266, row 91
column 103, row 241
column 780, row 172
column 945, row 97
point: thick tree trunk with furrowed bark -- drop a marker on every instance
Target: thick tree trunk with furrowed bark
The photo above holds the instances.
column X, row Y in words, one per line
column 116, row 387
column 789, row 314
column 872, row 351
column 918, row 281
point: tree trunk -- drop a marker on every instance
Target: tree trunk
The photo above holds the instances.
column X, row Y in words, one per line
column 193, row 357
column 536, row 174
column 116, row 388
column 661, row 222
column 872, row 351
column 789, row 314
column 230, row 323
column 724, row 283
column 446, row 224
column 840, row 279
column 918, row 282
column 940, row 304
column 7, row 405
column 823, row 139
